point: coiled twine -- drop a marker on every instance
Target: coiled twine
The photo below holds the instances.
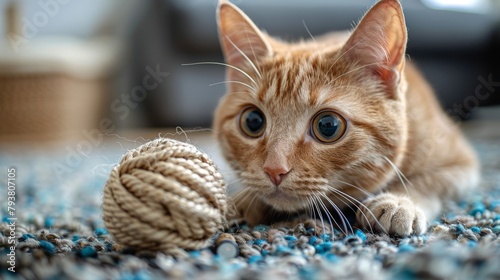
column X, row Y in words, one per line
column 165, row 195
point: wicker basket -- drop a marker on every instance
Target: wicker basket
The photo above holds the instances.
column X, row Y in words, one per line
column 52, row 88
column 48, row 105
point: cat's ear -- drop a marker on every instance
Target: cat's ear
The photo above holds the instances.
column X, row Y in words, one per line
column 380, row 40
column 243, row 44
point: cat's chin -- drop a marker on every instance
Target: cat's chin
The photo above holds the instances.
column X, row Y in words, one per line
column 285, row 202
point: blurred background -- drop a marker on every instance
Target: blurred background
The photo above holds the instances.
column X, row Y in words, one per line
column 68, row 66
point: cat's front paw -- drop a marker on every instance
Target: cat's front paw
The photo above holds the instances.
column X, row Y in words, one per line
column 392, row 214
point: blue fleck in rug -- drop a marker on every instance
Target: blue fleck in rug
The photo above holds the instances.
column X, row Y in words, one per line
column 59, row 233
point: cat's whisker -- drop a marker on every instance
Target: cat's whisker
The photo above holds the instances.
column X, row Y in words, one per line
column 315, row 209
column 235, row 200
column 350, row 204
column 319, row 212
column 358, row 204
column 325, row 210
column 313, row 214
column 343, row 218
column 330, row 216
column 229, row 172
column 311, row 207
column 243, row 195
column 232, row 183
column 344, row 195
column 250, row 205
column 308, row 32
column 223, row 64
column 307, row 210
column 228, row 169
column 245, row 56
column 233, row 82
column 400, row 174
column 297, row 213
column 356, row 187
column 371, row 214
column 341, row 198
column 254, row 56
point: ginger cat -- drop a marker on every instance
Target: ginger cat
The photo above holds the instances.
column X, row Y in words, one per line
column 337, row 122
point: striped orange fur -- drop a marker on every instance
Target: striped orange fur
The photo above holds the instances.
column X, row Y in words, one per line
column 399, row 157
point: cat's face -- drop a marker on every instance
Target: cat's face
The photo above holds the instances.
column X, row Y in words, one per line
column 311, row 118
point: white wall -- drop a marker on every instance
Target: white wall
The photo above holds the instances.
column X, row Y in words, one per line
column 81, row 18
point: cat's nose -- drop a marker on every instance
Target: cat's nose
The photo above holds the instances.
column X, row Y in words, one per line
column 276, row 173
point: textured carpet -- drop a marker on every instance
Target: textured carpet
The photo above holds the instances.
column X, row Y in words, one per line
column 59, row 234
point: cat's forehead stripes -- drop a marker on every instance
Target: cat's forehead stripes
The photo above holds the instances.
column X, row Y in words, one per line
column 292, row 78
column 302, row 81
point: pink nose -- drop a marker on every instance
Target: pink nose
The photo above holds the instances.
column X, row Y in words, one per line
column 276, row 173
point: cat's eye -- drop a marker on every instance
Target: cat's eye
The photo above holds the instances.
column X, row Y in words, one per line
column 328, row 127
column 252, row 122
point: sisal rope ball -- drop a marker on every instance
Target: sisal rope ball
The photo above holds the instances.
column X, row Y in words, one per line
column 163, row 196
